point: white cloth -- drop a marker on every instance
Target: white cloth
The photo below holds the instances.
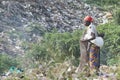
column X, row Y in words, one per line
column 98, row 40
column 90, row 29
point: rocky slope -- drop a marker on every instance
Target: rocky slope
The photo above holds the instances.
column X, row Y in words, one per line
column 16, row 16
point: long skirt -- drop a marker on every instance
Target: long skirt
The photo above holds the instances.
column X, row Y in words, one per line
column 94, row 59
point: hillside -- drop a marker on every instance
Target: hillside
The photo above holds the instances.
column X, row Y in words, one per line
column 42, row 37
column 16, row 17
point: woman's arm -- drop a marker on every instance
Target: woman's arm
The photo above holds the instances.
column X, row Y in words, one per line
column 93, row 37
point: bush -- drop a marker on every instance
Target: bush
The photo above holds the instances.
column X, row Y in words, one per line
column 64, row 44
column 118, row 16
column 56, row 46
column 111, row 46
column 114, row 61
column 6, row 62
column 38, row 52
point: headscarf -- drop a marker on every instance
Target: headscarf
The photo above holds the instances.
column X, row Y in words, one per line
column 88, row 18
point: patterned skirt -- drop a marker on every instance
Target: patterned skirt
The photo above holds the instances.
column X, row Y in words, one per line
column 94, row 59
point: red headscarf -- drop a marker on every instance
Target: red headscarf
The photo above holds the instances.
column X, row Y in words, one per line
column 88, row 18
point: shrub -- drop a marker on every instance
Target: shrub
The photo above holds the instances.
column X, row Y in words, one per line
column 56, row 46
column 111, row 46
column 114, row 61
column 118, row 16
column 38, row 52
column 63, row 44
column 6, row 62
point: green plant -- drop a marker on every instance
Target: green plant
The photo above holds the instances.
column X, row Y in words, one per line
column 63, row 44
column 38, row 52
column 102, row 2
column 35, row 28
column 117, row 16
column 111, row 41
column 6, row 62
column 56, row 46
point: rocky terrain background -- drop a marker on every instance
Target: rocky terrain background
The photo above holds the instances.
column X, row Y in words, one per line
column 16, row 16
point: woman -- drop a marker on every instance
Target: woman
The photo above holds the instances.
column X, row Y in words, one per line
column 89, row 51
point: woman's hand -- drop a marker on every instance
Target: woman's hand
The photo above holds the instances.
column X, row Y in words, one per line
column 83, row 40
column 101, row 35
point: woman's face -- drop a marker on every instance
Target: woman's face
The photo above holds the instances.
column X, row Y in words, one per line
column 87, row 23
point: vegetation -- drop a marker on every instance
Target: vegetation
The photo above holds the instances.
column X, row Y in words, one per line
column 6, row 62
column 117, row 16
column 56, row 46
column 102, row 2
column 62, row 46
column 56, row 52
column 112, row 46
